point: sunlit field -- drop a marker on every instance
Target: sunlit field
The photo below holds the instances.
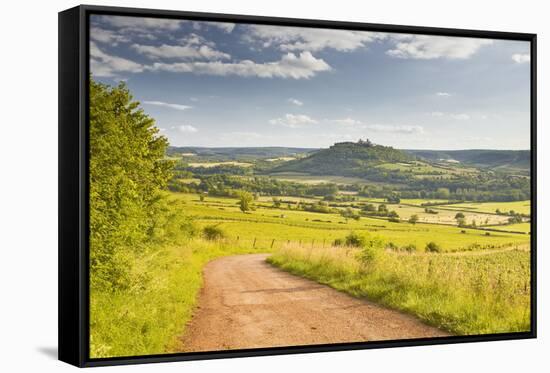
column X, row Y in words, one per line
column 464, row 294
column 266, row 223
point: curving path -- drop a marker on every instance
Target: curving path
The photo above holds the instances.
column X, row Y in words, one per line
column 247, row 303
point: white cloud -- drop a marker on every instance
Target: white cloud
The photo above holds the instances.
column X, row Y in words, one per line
column 456, row 116
column 302, row 66
column 180, row 52
column 347, row 121
column 443, row 94
column 293, row 120
column 431, row 47
column 155, row 24
column 107, row 36
column 359, row 125
column 168, row 105
column 403, row 45
column 195, row 39
column 309, row 39
column 521, row 58
column 460, row 116
column 224, row 26
column 295, row 101
column 105, row 65
column 186, row 128
column 406, row 129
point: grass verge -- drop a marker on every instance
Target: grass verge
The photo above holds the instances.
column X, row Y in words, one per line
column 465, row 295
column 149, row 317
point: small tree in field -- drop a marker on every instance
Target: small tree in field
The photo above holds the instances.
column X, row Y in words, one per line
column 355, row 240
column 460, row 219
column 413, row 219
column 245, row 201
column 213, row 232
column 432, row 247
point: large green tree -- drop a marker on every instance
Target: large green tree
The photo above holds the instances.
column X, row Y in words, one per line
column 127, row 174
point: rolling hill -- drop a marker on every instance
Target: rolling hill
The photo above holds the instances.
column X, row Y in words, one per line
column 347, row 159
column 513, row 159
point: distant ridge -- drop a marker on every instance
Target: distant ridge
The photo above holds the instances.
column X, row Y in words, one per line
column 234, row 153
column 519, row 159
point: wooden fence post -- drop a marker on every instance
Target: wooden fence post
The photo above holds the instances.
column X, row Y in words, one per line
column 254, row 244
column 272, row 242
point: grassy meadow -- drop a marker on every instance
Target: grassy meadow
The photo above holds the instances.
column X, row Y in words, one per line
column 522, row 207
column 150, row 317
column 266, row 223
column 463, row 294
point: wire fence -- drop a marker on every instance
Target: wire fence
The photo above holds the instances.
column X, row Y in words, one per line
column 276, row 243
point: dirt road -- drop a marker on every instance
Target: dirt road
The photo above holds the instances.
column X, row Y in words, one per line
column 247, row 303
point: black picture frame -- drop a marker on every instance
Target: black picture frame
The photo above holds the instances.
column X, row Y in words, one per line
column 73, row 252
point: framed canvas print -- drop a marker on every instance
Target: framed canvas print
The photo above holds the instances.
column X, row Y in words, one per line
column 234, row 186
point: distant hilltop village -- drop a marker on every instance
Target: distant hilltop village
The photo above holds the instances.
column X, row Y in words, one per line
column 366, row 143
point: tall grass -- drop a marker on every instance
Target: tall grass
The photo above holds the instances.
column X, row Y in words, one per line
column 148, row 317
column 463, row 294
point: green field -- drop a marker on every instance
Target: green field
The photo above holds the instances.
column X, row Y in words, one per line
column 522, row 207
column 215, row 164
column 444, row 216
column 519, row 227
column 422, row 170
column 268, row 223
column 316, row 179
column 420, row 201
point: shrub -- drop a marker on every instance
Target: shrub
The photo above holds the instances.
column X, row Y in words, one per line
column 213, row 232
column 355, row 240
column 390, row 245
column 372, row 250
column 463, row 231
column 487, row 233
column 338, row 242
column 410, row 248
column 432, row 247
column 413, row 219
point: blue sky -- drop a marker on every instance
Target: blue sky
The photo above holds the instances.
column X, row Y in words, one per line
column 224, row 84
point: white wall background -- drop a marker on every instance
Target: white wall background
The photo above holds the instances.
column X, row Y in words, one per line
column 28, row 186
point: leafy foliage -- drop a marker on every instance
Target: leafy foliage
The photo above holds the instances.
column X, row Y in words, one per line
column 213, row 232
column 245, row 201
column 127, row 174
column 354, row 239
column 432, row 247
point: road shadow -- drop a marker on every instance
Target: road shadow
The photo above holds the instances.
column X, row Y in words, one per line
column 49, row 351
